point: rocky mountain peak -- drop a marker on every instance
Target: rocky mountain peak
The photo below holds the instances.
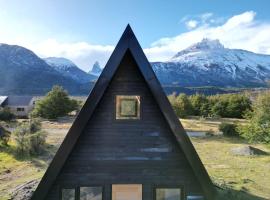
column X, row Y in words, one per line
column 205, row 45
column 96, row 69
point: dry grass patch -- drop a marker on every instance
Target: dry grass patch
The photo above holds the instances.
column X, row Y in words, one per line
column 207, row 124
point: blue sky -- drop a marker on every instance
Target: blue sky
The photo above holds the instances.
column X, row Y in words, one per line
column 86, row 31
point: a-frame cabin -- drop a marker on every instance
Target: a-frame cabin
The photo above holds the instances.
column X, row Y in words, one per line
column 126, row 143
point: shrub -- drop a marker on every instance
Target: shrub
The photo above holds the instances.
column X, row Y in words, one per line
column 37, row 137
column 225, row 105
column 21, row 138
column 238, row 105
column 56, row 104
column 29, row 138
column 255, row 132
column 6, row 115
column 4, row 136
column 258, row 128
column 229, row 105
column 200, row 104
column 181, row 105
column 37, row 142
column 228, row 129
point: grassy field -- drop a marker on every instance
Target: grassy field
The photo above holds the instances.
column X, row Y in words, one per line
column 241, row 177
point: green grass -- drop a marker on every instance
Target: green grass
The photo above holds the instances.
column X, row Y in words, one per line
column 245, row 176
column 15, row 170
column 239, row 177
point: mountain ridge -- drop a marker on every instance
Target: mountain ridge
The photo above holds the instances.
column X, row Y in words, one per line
column 23, row 72
column 209, row 63
column 69, row 69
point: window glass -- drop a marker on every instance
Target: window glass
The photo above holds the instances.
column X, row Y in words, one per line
column 127, row 107
column 168, row 194
column 126, row 192
column 90, row 193
column 195, row 198
column 68, row 194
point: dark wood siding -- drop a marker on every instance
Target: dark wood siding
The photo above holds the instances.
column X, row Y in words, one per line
column 111, row 151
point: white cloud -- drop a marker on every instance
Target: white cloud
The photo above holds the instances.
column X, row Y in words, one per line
column 191, row 24
column 206, row 16
column 192, row 21
column 240, row 31
column 81, row 53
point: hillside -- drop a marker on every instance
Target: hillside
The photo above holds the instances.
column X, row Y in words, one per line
column 23, row 72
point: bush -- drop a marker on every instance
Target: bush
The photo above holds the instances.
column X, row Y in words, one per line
column 230, row 105
column 29, row 138
column 4, row 136
column 225, row 105
column 181, row 105
column 37, row 137
column 218, row 106
column 200, row 105
column 37, row 142
column 228, row 129
column 56, row 104
column 258, row 128
column 6, row 115
column 238, row 105
column 21, row 138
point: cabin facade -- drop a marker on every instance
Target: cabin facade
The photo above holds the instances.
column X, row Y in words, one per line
column 126, row 143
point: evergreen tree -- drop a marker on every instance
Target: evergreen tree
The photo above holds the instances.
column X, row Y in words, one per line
column 56, row 104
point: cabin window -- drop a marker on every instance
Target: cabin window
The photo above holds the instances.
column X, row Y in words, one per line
column 20, row 109
column 168, row 194
column 90, row 193
column 195, row 198
column 127, row 107
column 68, row 194
column 126, row 192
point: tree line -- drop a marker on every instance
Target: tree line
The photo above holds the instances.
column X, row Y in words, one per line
column 222, row 105
column 238, row 105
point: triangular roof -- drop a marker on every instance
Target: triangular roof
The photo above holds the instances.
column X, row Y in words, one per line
column 127, row 42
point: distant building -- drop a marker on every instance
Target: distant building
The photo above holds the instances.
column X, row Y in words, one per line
column 2, row 101
column 20, row 106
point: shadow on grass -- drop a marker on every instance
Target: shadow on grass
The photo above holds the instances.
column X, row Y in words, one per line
column 231, row 194
column 40, row 161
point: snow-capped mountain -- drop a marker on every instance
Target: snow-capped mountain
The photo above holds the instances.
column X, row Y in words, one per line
column 67, row 68
column 209, row 63
column 96, row 69
column 23, row 72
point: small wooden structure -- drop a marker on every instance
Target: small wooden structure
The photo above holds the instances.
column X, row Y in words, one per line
column 126, row 143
